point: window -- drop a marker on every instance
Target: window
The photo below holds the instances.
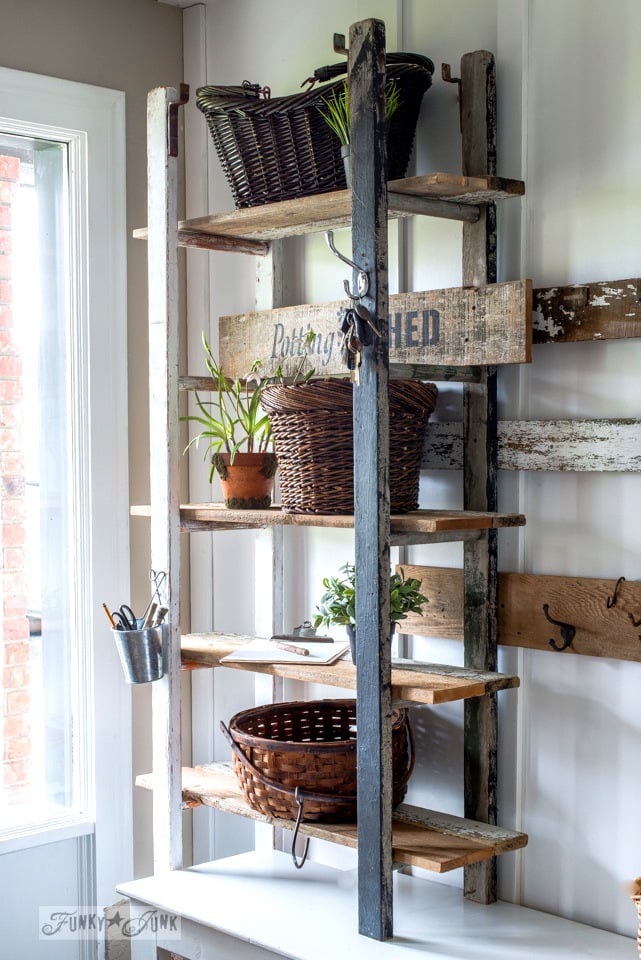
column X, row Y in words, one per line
column 44, row 730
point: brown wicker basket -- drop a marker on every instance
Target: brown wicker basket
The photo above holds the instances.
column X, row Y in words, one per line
column 307, row 750
column 313, row 439
column 281, row 148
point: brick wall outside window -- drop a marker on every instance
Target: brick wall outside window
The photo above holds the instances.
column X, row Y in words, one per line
column 14, row 635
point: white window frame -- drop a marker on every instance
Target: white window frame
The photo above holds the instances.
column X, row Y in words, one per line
column 91, row 120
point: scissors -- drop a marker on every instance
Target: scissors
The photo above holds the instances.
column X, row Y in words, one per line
column 157, row 578
column 125, row 618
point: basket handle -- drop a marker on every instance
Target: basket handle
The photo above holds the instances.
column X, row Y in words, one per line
column 307, row 794
column 411, row 749
column 329, row 72
column 289, row 791
column 299, row 795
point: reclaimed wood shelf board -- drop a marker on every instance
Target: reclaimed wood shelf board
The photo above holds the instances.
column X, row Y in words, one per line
column 412, row 682
column 600, row 630
column 437, row 194
column 421, row 838
column 430, row 523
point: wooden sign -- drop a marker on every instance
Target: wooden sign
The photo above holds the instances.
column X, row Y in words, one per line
column 470, row 326
column 592, row 311
column 579, row 603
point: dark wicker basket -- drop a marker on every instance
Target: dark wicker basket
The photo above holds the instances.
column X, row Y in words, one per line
column 313, row 439
column 308, row 749
column 281, row 148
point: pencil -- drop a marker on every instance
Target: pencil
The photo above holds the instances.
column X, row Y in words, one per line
column 303, row 651
column 111, row 619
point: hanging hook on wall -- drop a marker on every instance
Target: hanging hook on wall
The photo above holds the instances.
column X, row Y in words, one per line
column 567, row 631
column 362, row 279
column 612, row 601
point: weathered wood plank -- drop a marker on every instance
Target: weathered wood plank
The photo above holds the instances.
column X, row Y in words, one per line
column 582, row 602
column 607, row 445
column 606, row 310
column 478, row 127
column 218, row 516
column 366, row 71
column 412, row 681
column 331, row 211
column 423, row 838
column 473, row 326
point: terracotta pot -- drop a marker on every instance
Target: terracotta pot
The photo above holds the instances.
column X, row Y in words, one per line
column 248, row 482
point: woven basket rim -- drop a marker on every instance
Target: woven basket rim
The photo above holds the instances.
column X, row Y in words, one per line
column 253, row 740
column 336, row 395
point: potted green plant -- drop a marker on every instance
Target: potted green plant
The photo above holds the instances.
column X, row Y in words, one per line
column 338, row 603
column 336, row 115
column 238, row 437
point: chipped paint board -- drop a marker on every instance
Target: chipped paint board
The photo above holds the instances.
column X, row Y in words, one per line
column 482, row 325
column 553, row 445
column 608, row 310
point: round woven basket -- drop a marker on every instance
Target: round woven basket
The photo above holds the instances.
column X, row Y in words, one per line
column 314, row 436
column 307, row 750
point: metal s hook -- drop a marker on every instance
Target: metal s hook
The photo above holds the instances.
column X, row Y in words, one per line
column 299, row 863
column 612, row 601
column 362, row 279
column 567, row 631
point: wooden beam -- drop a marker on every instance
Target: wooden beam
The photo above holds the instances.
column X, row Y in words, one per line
column 477, row 90
column 555, row 445
column 484, row 325
column 366, row 71
column 581, row 602
column 607, row 310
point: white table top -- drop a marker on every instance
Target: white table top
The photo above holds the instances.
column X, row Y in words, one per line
column 311, row 914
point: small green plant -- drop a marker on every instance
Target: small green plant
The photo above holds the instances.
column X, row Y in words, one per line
column 338, row 603
column 233, row 419
column 336, row 115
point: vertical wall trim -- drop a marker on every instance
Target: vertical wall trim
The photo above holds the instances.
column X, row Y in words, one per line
column 201, row 555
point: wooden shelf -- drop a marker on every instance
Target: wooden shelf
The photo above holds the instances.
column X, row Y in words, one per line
column 412, row 682
column 421, row 838
column 248, row 230
column 417, row 526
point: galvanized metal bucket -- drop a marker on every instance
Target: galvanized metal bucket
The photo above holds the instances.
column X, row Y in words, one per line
column 141, row 653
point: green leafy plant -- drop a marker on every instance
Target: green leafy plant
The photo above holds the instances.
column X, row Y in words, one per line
column 336, row 114
column 338, row 603
column 233, row 419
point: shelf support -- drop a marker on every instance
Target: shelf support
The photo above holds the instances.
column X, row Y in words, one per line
column 164, row 491
column 478, row 128
column 371, row 478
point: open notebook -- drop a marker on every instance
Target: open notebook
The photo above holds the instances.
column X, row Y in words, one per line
column 269, row 651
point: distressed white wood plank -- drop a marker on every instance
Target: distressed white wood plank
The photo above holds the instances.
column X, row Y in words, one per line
column 164, row 480
column 608, row 445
